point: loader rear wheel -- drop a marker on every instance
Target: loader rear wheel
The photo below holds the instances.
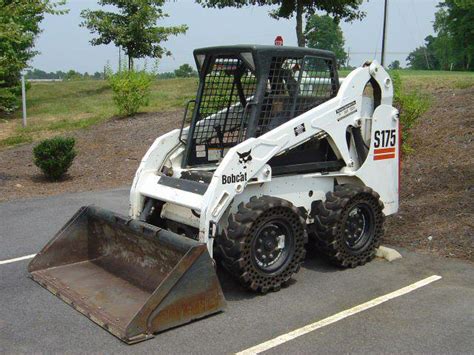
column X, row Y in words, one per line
column 348, row 225
column 264, row 244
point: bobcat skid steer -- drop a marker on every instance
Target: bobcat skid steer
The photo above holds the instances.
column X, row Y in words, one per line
column 277, row 152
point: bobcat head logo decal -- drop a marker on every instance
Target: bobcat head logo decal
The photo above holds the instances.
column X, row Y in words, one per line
column 244, row 158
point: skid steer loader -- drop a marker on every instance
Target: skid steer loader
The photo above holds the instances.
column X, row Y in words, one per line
column 279, row 151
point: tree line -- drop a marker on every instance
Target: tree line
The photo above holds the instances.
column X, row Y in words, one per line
column 61, row 75
column 184, row 71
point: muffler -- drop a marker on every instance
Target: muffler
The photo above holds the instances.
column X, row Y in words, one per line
column 131, row 278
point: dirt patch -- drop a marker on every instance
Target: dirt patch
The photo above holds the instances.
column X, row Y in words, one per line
column 108, row 156
column 437, row 194
column 437, row 184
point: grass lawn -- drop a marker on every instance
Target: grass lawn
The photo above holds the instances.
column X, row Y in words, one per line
column 61, row 106
column 55, row 107
column 432, row 79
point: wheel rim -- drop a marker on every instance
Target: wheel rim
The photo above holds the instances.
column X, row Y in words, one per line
column 272, row 246
column 359, row 226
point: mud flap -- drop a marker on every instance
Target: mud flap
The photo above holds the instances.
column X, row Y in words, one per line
column 129, row 277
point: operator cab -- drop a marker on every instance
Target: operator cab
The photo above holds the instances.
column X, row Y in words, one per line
column 247, row 90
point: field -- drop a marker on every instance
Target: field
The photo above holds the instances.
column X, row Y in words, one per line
column 63, row 106
column 54, row 107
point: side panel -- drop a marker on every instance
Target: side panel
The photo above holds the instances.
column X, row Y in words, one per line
column 301, row 190
column 380, row 169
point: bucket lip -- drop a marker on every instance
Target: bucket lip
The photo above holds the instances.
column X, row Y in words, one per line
column 98, row 316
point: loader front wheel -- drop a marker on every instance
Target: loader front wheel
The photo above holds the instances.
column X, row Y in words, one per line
column 348, row 225
column 264, row 244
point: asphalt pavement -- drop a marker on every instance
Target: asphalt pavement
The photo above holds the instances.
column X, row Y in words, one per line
column 436, row 318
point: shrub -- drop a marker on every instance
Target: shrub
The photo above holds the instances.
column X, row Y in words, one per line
column 411, row 106
column 54, row 156
column 131, row 89
column 9, row 100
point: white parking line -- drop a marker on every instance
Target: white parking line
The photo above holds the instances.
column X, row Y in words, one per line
column 3, row 262
column 336, row 317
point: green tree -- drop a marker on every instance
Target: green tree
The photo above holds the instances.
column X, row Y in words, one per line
column 19, row 27
column 60, row 74
column 424, row 58
column 453, row 45
column 73, row 75
column 185, row 71
column 131, row 26
column 324, row 33
column 339, row 9
column 454, row 26
column 417, row 59
column 395, row 65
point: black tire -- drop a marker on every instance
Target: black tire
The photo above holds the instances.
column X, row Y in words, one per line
column 348, row 226
column 250, row 239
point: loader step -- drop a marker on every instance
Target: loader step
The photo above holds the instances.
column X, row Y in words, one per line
column 198, row 175
column 306, row 168
column 196, row 187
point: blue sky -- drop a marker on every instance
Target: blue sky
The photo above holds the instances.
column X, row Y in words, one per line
column 64, row 45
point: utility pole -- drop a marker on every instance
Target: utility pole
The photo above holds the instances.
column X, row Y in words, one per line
column 385, row 15
column 23, row 98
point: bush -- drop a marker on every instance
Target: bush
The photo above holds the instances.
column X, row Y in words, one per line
column 54, row 156
column 411, row 106
column 131, row 89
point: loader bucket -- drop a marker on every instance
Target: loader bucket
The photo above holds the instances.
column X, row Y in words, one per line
column 129, row 277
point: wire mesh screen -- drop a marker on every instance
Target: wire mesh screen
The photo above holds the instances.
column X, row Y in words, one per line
column 281, row 90
column 222, row 115
column 316, row 84
column 294, row 86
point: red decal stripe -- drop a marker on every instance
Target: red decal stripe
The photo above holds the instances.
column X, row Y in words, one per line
column 399, row 154
column 384, row 156
column 384, row 150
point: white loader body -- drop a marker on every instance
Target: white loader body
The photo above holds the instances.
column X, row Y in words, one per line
column 234, row 182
